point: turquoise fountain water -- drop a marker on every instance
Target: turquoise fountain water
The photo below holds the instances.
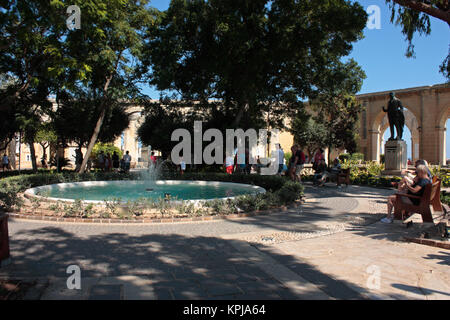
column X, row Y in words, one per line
column 147, row 187
column 132, row 190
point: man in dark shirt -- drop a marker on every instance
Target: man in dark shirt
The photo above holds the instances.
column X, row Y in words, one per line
column 296, row 164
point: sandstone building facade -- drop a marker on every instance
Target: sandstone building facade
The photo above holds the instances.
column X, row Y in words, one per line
column 427, row 110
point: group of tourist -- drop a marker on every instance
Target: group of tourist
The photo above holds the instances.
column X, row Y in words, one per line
column 239, row 162
column 321, row 171
column 413, row 183
column 112, row 162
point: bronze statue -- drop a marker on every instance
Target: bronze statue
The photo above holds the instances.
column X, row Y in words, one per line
column 395, row 116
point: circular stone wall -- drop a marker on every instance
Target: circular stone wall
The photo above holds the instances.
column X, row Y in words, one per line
column 97, row 191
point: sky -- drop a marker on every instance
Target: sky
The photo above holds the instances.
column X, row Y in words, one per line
column 381, row 54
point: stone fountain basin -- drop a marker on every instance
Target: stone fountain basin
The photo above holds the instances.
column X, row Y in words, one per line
column 96, row 192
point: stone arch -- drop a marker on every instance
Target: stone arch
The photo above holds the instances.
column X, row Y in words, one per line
column 130, row 134
column 381, row 123
column 441, row 126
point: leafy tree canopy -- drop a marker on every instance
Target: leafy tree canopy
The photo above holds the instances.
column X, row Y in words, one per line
column 307, row 132
column 414, row 17
column 74, row 121
column 252, row 53
column 106, row 148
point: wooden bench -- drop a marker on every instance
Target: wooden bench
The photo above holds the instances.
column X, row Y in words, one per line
column 430, row 197
column 343, row 177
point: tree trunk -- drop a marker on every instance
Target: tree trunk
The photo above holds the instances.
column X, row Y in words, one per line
column 77, row 163
column 44, row 152
column 239, row 116
column 98, row 126
column 427, row 8
column 33, row 155
column 93, row 140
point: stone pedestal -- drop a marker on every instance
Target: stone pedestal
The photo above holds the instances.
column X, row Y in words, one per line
column 395, row 157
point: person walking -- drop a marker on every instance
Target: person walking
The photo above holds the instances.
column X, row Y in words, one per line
column 297, row 162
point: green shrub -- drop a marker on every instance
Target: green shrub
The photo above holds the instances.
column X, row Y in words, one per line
column 442, row 173
column 106, row 148
column 62, row 162
column 78, row 209
column 112, row 205
column 290, row 192
column 344, row 157
column 445, row 198
column 288, row 156
column 357, row 156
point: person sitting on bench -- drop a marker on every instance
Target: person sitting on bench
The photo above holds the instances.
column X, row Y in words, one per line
column 331, row 173
column 320, row 170
column 409, row 176
column 417, row 187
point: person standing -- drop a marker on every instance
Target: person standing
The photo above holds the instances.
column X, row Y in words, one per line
column 44, row 163
column 90, row 162
column 240, row 162
column 101, row 160
column 78, row 159
column 182, row 166
column 296, row 164
column 229, row 164
column 152, row 159
column 280, row 154
column 318, row 157
column 292, row 163
column 300, row 155
column 5, row 162
column 127, row 161
column 115, row 161
column 108, row 162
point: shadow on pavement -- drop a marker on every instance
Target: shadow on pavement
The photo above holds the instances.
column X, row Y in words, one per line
column 176, row 266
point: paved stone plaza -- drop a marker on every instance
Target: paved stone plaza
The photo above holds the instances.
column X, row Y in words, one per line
column 324, row 249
